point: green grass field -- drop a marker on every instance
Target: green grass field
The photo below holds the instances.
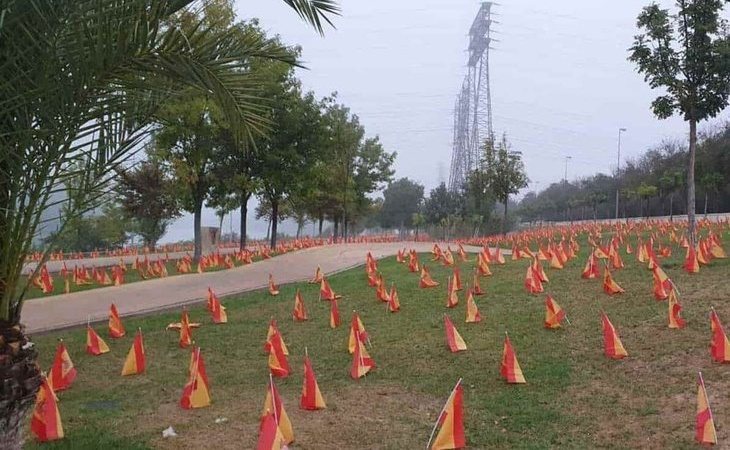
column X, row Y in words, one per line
column 574, row 396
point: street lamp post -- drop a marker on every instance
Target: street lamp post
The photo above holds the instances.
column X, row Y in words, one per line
column 565, row 178
column 618, row 169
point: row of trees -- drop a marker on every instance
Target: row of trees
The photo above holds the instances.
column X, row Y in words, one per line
column 313, row 163
column 468, row 211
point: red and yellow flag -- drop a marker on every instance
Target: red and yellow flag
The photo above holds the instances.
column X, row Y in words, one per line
column 270, row 436
column 393, row 300
column 451, row 422
column 186, row 333
column 218, row 311
column 196, row 393
column 454, row 341
column 273, row 288
column 533, row 285
column 457, row 279
column 691, row 265
column 554, row 314
column 362, row 363
column 426, row 280
column 270, row 334
column 704, row 423
column 135, row 363
column 116, row 328
column 591, row 268
column 476, row 287
column 46, row 421
column 610, row 287
column 452, row 298
column 300, row 312
column 278, row 364
column 273, row 404
column 334, row 314
column 62, row 372
column 662, row 283
column 719, row 346
column 356, row 329
column 510, row 368
column 95, row 345
column 675, row 310
column 326, row 292
column 612, row 346
column 317, row 276
column 311, row 396
column 472, row 311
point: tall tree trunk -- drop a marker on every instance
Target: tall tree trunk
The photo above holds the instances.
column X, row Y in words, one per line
column 336, row 228
column 691, row 223
column 244, row 217
column 706, row 195
column 504, row 216
column 274, row 221
column 321, row 221
column 197, row 216
column 671, row 211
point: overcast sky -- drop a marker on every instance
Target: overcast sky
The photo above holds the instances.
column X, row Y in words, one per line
column 561, row 84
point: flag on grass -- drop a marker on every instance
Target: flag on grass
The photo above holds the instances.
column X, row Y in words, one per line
column 278, row 364
column 300, row 312
column 510, row 368
column 454, row 341
column 196, row 393
column 612, row 346
column 704, row 423
column 46, row 421
column 451, row 422
column 675, row 309
column 472, row 312
column 357, row 329
column 719, row 346
column 362, row 363
column 270, row 436
column 311, row 396
column 273, row 404
column 62, row 372
column 273, row 288
column 334, row 314
column 116, row 328
column 95, row 345
column 135, row 363
column 554, row 314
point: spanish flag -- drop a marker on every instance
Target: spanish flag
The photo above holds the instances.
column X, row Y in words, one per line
column 62, row 372
column 46, row 420
column 554, row 314
column 270, row 436
column 135, row 362
column 356, row 329
column 704, row 423
column 457, row 279
column 498, row 256
column 334, row 314
column 691, row 265
column 317, row 276
column 273, row 288
column 311, row 396
column 675, row 309
column 472, row 312
column 95, row 345
column 218, row 311
column 186, row 333
column 362, row 363
column 381, row 292
column 273, row 404
column 555, row 262
column 483, row 265
column 719, row 346
column 510, row 368
column 454, row 341
column 612, row 346
column 196, row 393
column 533, row 285
column 393, row 300
column 116, row 328
column 610, row 287
column 326, row 292
column 211, row 298
column 300, row 312
column 278, row 364
column 476, row 287
column 426, row 280
column 591, row 268
column 452, row 298
column 451, row 422
column 270, row 333
column 662, row 283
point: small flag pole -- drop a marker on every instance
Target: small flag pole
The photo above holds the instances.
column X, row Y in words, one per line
column 438, row 419
column 273, row 397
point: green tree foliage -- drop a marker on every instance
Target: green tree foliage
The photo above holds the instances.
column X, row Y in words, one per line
column 147, row 197
column 504, row 172
column 92, row 231
column 402, row 200
column 687, row 55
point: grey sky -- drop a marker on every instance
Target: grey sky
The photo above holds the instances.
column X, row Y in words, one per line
column 561, row 85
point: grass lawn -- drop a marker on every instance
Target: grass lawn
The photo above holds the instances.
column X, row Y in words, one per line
column 574, row 396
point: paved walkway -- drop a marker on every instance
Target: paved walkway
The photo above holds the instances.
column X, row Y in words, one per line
column 63, row 311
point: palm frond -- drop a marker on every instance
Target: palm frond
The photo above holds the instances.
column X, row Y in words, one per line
column 315, row 11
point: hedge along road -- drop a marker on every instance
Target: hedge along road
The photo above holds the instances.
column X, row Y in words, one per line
column 74, row 309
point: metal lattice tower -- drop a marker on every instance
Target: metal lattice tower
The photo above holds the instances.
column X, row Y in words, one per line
column 473, row 110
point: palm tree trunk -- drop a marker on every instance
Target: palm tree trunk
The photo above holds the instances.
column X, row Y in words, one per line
column 244, row 216
column 691, row 222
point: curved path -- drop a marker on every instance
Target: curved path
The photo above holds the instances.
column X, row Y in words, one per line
column 69, row 310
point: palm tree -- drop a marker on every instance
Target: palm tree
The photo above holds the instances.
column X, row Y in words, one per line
column 81, row 82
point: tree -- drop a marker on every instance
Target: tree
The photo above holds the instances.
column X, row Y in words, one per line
column 711, row 182
column 441, row 207
column 669, row 183
column 505, row 172
column 644, row 193
column 688, row 56
column 146, row 196
column 79, row 89
column 401, row 200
